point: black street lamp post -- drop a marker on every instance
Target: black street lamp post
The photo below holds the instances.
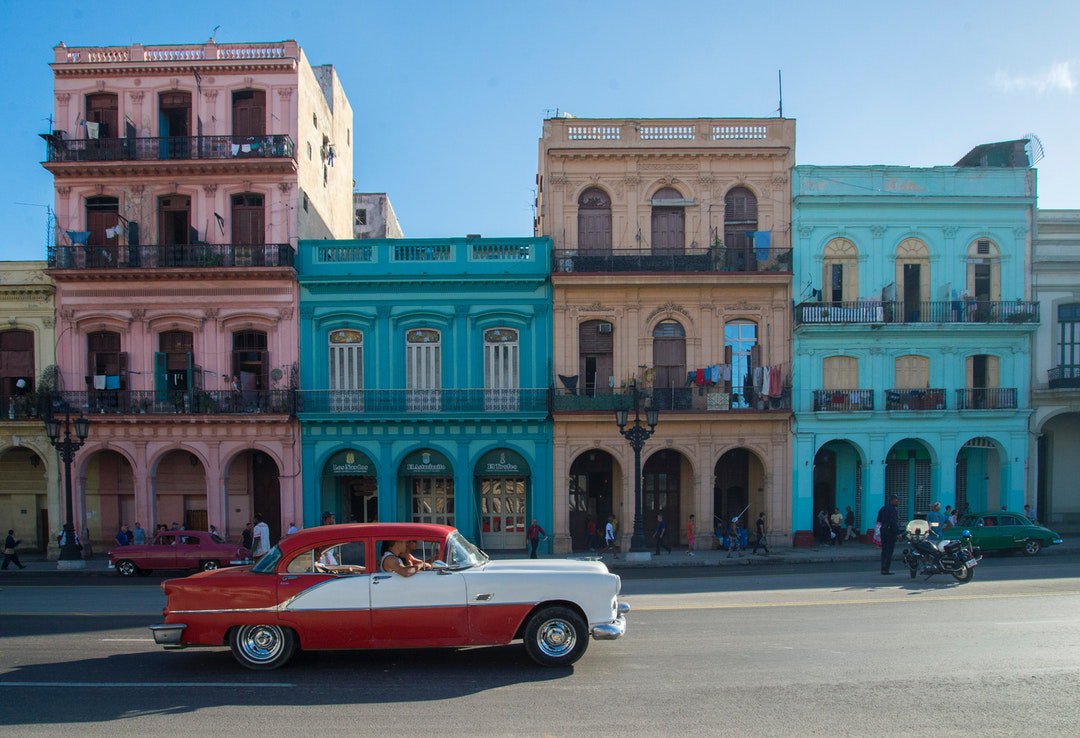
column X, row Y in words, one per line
column 637, row 434
column 59, row 432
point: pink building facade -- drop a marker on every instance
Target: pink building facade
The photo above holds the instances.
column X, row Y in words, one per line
column 184, row 177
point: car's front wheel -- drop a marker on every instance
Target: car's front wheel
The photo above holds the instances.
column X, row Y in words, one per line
column 1032, row 547
column 556, row 636
column 262, row 647
column 208, row 565
column 126, row 568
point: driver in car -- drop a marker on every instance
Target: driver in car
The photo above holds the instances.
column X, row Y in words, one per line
column 424, row 564
column 327, row 562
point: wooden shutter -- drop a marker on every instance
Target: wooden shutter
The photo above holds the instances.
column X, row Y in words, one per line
column 102, row 109
column 249, row 113
column 911, row 372
column 161, row 377
column 840, row 373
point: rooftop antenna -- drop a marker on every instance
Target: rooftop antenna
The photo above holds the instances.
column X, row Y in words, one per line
column 213, row 33
column 780, row 87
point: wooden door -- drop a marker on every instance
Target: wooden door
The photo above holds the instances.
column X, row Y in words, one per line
column 101, row 108
column 668, row 231
column 174, row 226
column 594, row 222
column 249, row 114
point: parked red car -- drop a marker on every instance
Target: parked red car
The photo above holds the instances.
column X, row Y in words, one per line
column 177, row 549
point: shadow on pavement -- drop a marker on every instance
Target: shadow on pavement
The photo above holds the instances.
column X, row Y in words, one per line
column 328, row 678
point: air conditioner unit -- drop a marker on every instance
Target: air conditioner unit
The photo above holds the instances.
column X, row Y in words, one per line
column 603, row 328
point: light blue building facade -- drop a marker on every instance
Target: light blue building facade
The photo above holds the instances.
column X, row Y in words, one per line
column 912, row 334
column 424, row 368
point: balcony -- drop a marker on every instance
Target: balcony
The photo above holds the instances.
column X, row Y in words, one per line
column 843, row 401
column 164, row 402
column 171, row 256
column 899, row 312
column 377, row 403
column 914, row 399
column 681, row 399
column 986, row 398
column 710, row 259
column 1064, row 377
column 21, row 407
column 168, row 148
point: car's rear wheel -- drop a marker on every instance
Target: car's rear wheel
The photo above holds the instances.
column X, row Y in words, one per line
column 1032, row 547
column 126, row 568
column 963, row 574
column 262, row 647
column 556, row 636
column 208, row 565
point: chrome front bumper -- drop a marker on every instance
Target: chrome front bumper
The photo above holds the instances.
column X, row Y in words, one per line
column 168, row 635
column 614, row 629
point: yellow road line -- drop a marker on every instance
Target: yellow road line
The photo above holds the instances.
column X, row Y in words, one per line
column 827, row 603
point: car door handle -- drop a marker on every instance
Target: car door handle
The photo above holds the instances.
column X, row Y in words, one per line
column 378, row 578
column 288, row 579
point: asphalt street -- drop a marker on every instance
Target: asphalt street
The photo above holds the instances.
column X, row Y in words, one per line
column 805, row 650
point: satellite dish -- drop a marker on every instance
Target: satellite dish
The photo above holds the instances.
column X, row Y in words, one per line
column 1034, row 148
column 275, row 374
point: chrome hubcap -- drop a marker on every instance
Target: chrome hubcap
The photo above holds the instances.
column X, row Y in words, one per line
column 556, row 637
column 261, row 643
column 127, row 569
column 209, row 565
column 1032, row 546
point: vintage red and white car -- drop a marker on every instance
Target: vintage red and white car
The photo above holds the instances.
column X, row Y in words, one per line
column 177, row 549
column 328, row 588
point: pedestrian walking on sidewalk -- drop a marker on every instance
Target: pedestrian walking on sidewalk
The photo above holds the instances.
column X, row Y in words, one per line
column 733, row 538
column 890, row 529
column 609, row 537
column 260, row 545
column 533, row 536
column 849, row 525
column 138, row 535
column 759, row 527
column 661, row 529
column 690, row 535
column 10, row 554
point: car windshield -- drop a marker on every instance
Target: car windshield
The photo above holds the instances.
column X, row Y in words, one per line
column 460, row 554
column 268, row 563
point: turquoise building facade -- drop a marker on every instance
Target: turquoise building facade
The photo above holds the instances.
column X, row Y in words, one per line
column 912, row 332
column 424, row 383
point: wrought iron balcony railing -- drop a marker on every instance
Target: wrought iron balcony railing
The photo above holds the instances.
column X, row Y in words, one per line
column 170, row 256
column 935, row 311
column 843, row 400
column 986, row 398
column 678, row 399
column 689, row 259
column 165, row 148
column 377, row 402
column 20, row 407
column 1064, row 377
column 915, row 399
column 166, row 402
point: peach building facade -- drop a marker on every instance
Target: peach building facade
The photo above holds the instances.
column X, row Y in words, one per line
column 184, row 176
column 672, row 272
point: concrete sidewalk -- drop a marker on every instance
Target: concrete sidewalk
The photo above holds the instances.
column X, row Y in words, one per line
column 677, row 559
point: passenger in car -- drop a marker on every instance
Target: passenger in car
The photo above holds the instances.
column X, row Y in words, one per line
column 393, row 559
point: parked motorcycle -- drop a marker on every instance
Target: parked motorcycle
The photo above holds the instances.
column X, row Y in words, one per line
column 930, row 554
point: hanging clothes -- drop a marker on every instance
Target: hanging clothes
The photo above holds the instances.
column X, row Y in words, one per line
column 716, row 374
column 99, row 381
column 690, row 378
column 755, row 380
column 699, row 377
column 727, row 372
column 766, row 384
column 112, row 382
column 777, row 381
column 79, row 237
column 93, row 130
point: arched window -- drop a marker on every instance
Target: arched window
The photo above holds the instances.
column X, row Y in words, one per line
column 840, row 274
column 501, row 369
column 840, row 373
column 913, row 278
column 669, row 363
column 423, row 369
column 346, row 357
column 983, row 272
column 668, row 222
column 740, row 223
column 594, row 221
column 911, row 372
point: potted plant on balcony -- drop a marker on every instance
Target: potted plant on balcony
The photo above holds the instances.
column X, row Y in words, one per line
column 38, row 399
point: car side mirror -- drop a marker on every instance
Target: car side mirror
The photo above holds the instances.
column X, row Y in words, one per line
column 440, row 567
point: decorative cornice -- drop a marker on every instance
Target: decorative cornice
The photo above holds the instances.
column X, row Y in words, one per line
column 62, row 98
column 949, row 231
column 136, row 97
column 877, row 231
column 596, row 307
column 669, row 307
column 806, row 231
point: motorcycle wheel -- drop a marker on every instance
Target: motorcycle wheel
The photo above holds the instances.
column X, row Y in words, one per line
column 963, row 574
column 913, row 570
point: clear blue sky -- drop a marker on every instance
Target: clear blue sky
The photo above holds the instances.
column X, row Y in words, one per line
column 449, row 96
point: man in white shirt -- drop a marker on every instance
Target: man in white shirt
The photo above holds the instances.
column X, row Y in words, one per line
column 292, row 528
column 260, row 545
column 609, row 536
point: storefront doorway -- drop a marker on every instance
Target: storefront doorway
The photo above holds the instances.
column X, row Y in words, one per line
column 351, row 489
column 429, row 483
column 660, row 482
column 591, row 477
column 503, row 477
